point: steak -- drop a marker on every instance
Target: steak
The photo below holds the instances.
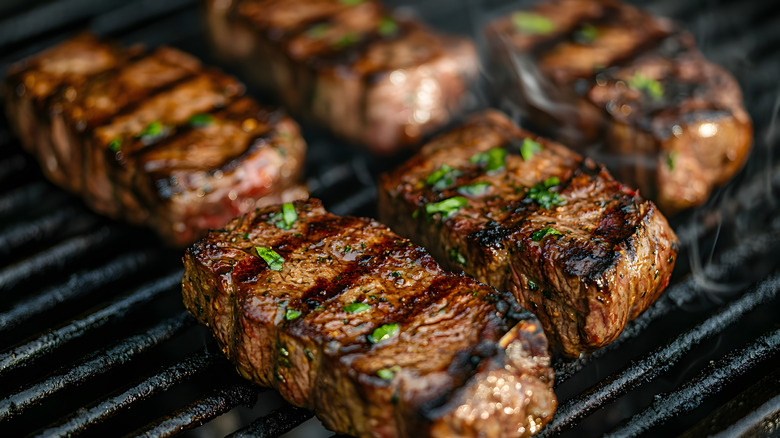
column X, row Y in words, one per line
column 348, row 319
column 526, row 215
column 672, row 123
column 154, row 138
column 367, row 75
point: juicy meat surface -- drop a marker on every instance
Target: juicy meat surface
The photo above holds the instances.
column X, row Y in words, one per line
column 366, row 329
column 526, row 215
column 367, row 75
column 154, row 138
column 672, row 123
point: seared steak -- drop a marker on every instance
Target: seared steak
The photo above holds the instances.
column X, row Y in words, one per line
column 345, row 317
column 672, row 123
column 526, row 215
column 367, row 75
column 154, row 138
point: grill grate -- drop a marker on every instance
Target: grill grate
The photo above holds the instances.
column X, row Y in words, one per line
column 94, row 341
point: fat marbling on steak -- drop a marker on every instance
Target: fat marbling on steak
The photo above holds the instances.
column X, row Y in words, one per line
column 153, row 138
column 672, row 123
column 364, row 73
column 347, row 318
column 526, row 215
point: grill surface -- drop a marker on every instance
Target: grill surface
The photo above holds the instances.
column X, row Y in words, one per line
column 94, row 339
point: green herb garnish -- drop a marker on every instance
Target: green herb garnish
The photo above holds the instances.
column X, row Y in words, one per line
column 493, row 160
column 357, row 308
column 115, row 144
column 646, row 84
column 154, row 131
column 671, row 159
column 442, row 178
column 447, row 207
column 346, row 40
column 476, row 189
column 201, row 120
column 456, row 256
column 285, row 219
column 529, row 148
column 387, row 26
column 586, row 34
column 544, row 232
column 529, row 22
column 384, row 332
column 532, row 285
column 388, row 373
column 291, row 314
column 274, row 260
column 352, row 2
column 318, row 31
column 541, row 194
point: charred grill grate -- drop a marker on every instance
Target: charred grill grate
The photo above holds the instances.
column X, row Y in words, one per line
column 94, row 340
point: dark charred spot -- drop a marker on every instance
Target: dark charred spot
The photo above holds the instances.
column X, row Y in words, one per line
column 248, row 269
column 492, row 236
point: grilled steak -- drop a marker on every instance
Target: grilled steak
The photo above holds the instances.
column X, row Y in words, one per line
column 673, row 123
column 526, row 215
column 352, row 67
column 154, row 138
column 345, row 317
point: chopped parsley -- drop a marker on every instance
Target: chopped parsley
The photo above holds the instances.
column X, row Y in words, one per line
column 387, row 26
column 388, row 373
column 115, row 144
column 541, row 194
column 154, row 132
column 544, row 232
column 529, row 148
column 201, row 120
column 291, row 314
column 529, row 22
column 318, row 31
column 285, row 219
column 447, row 207
column 646, row 84
column 442, row 178
column 384, row 332
column 586, row 34
column 493, row 160
column 671, row 159
column 456, row 256
column 532, row 285
column 346, row 40
column 357, row 308
column 475, row 189
column 274, row 260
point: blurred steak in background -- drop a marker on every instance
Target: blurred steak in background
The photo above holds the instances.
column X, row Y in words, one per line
column 367, row 75
column 589, row 71
column 152, row 138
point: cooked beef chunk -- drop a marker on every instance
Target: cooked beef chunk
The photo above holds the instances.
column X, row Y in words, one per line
column 345, row 317
column 367, row 75
column 526, row 215
column 153, row 138
column 671, row 122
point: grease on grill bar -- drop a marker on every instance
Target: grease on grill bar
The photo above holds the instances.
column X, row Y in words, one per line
column 724, row 311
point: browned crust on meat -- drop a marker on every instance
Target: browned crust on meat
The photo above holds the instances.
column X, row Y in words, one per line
column 116, row 126
column 613, row 255
column 358, row 70
column 455, row 354
column 676, row 144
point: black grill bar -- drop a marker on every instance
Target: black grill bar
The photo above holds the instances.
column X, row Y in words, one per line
column 78, row 285
column 21, row 197
column 690, row 395
column 274, row 424
column 55, row 339
column 98, row 362
column 186, row 368
column 221, row 400
column 659, row 361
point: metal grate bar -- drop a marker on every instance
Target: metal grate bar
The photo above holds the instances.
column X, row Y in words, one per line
column 221, row 400
column 14, row 201
column 77, row 286
column 186, row 368
column 709, row 381
column 98, row 362
column 764, row 421
column 43, row 227
column 660, row 360
column 55, row 339
column 275, row 424
column 352, row 203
